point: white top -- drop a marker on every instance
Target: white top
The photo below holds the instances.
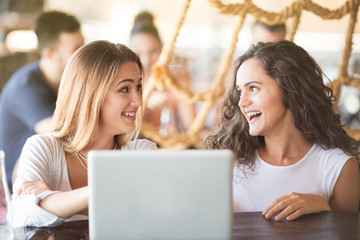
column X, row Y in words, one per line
column 316, row 173
column 43, row 158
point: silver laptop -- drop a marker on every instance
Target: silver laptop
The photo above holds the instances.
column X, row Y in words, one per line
column 160, row 194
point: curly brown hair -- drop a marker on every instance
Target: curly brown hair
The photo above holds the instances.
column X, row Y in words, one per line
column 303, row 93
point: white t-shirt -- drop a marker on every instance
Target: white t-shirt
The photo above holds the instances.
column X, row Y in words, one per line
column 316, row 173
column 43, row 158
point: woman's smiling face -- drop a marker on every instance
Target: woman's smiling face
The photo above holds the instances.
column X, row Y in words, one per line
column 260, row 100
column 118, row 113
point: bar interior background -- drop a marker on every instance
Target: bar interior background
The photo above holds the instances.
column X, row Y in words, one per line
column 203, row 38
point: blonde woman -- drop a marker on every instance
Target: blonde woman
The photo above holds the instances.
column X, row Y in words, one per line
column 98, row 107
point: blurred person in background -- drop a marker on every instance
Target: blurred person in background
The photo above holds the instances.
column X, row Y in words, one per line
column 163, row 111
column 28, row 98
column 262, row 32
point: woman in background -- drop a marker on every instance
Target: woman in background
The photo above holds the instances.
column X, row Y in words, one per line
column 163, row 111
column 98, row 107
column 292, row 155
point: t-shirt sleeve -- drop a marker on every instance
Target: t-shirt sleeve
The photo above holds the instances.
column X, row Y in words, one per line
column 33, row 166
column 32, row 103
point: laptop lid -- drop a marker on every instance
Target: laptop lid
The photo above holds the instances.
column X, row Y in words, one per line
column 160, row 194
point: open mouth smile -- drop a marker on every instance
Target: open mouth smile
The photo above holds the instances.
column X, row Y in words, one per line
column 129, row 114
column 252, row 115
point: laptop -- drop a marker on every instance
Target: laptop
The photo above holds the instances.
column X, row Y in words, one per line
column 160, row 194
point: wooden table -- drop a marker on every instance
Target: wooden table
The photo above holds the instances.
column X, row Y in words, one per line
column 325, row 225
column 251, row 225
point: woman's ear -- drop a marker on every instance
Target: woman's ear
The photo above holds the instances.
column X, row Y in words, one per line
column 47, row 53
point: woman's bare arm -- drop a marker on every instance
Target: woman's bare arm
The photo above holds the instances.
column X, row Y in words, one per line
column 66, row 204
column 346, row 193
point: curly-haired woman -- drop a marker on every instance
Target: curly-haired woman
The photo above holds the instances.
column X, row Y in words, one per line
column 292, row 155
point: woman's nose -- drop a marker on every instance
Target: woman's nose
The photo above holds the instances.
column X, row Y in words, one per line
column 137, row 99
column 244, row 101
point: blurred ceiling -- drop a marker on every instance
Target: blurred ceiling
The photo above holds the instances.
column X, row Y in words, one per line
column 203, row 27
column 200, row 11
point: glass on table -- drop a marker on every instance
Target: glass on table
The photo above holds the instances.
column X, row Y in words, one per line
column 6, row 232
column 54, row 234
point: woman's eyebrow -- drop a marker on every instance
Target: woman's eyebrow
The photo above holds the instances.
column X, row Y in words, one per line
column 251, row 82
column 248, row 83
column 125, row 80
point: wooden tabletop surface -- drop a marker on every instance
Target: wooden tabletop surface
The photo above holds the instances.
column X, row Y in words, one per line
column 252, row 225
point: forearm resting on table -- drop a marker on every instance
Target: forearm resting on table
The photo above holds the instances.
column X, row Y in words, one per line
column 66, row 204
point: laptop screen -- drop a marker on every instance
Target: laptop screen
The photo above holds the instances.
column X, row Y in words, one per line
column 160, row 194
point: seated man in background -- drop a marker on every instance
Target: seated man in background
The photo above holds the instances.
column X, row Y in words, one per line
column 28, row 99
column 262, row 32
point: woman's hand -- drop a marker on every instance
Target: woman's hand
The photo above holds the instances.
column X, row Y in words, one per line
column 33, row 187
column 293, row 205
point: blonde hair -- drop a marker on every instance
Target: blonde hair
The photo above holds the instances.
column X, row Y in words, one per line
column 85, row 83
